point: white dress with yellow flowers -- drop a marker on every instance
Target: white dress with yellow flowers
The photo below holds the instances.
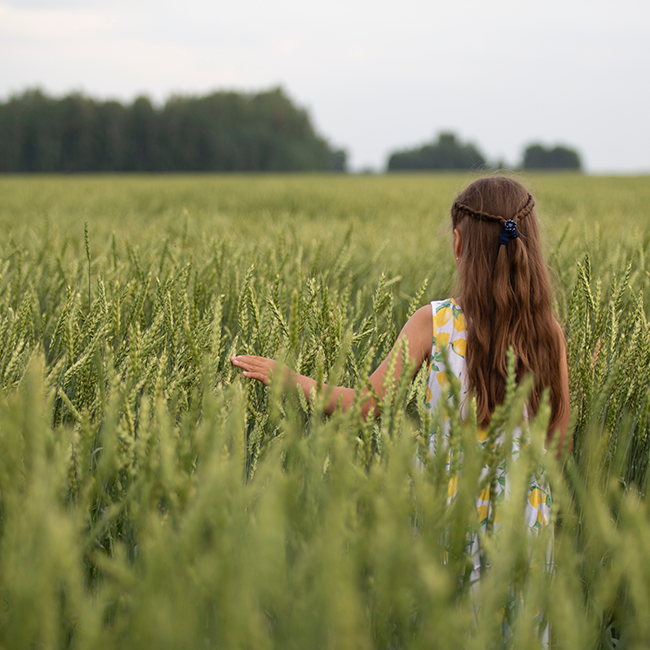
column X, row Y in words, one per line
column 450, row 334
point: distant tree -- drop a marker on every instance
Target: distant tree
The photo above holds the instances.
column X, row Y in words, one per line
column 108, row 144
column 218, row 132
column 142, row 131
column 338, row 160
column 446, row 153
column 236, row 132
column 75, row 119
column 29, row 138
column 537, row 156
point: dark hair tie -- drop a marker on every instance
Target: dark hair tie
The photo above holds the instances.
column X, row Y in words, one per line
column 508, row 232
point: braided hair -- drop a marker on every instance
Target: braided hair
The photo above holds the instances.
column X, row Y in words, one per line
column 505, row 292
column 524, row 211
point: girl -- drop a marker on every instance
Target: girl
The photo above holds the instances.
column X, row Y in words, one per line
column 503, row 300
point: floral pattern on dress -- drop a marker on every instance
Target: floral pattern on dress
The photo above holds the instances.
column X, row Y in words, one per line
column 450, row 336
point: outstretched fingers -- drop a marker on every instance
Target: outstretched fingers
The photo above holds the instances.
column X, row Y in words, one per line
column 253, row 367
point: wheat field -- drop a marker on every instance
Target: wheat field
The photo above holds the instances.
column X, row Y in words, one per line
column 151, row 497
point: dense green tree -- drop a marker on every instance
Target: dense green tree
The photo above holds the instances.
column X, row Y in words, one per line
column 338, row 160
column 224, row 131
column 108, row 143
column 142, row 137
column 29, row 133
column 536, row 156
column 73, row 126
column 446, row 153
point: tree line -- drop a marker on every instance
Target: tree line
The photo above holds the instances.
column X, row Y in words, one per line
column 448, row 153
column 223, row 131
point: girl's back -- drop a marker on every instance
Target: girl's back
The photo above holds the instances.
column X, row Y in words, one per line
column 503, row 301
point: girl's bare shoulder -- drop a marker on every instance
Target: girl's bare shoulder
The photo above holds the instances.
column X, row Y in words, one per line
column 419, row 331
column 422, row 319
column 559, row 330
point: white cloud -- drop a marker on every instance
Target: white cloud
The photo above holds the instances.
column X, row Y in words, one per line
column 286, row 46
column 117, row 68
column 37, row 23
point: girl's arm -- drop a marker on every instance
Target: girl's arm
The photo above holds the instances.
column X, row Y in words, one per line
column 418, row 331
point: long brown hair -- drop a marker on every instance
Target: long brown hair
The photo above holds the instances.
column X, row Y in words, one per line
column 505, row 292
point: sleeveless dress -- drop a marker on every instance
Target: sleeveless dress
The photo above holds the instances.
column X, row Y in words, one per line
column 450, row 334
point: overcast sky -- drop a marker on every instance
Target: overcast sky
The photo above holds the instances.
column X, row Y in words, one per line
column 374, row 76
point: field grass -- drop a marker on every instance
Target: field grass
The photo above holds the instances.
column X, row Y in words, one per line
column 151, row 497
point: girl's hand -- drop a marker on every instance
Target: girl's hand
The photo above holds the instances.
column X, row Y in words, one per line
column 259, row 368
